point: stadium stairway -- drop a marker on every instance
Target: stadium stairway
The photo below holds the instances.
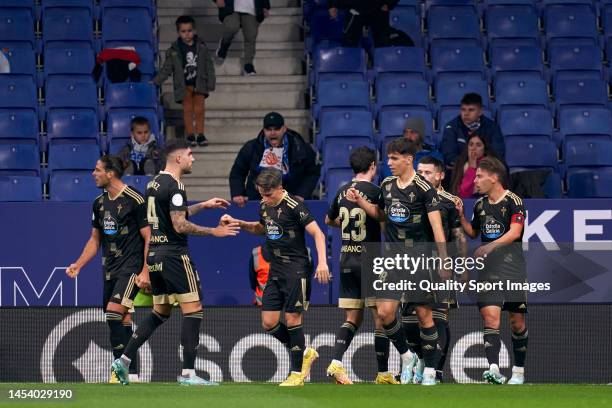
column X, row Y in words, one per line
column 234, row 112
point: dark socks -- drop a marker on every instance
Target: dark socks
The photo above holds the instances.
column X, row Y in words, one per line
column 413, row 334
column 396, row 335
column 142, row 334
column 429, row 343
column 519, row 347
column 117, row 333
column 280, row 333
column 190, row 338
column 343, row 339
column 443, row 337
column 129, row 331
column 381, row 346
column 492, row 343
column 297, row 344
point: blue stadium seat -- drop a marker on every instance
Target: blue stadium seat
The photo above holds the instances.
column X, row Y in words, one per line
column 450, row 88
column 131, row 95
column 125, row 24
column 570, row 21
column 137, row 182
column 459, row 57
column 22, row 60
column 334, row 94
column 20, row 188
column 145, row 52
column 72, row 124
column 68, row 4
column 526, row 121
column 525, row 152
column 323, row 30
column 336, row 178
column 517, row 58
column 584, row 120
column 68, row 61
column 452, row 22
column 68, row 155
column 392, row 120
column 588, row 153
column 606, row 19
column 408, row 20
column 72, row 186
column 29, row 5
column 118, row 124
column 17, row 91
column 148, row 5
column 116, row 144
column 590, row 183
column 512, row 21
column 339, row 60
column 68, row 25
column 579, row 61
column 400, row 90
column 344, row 123
column 71, row 92
column 336, row 151
column 17, row 26
column 18, row 124
column 520, row 90
column 581, row 92
column 404, row 60
column 19, row 157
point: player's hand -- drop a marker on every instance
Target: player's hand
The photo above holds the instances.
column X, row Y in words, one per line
column 215, row 203
column 333, row 13
column 483, row 251
column 299, row 197
column 73, row 270
column 143, row 280
column 459, row 206
column 322, row 274
column 220, row 3
column 352, row 195
column 445, row 274
column 240, row 201
column 227, row 219
column 385, row 8
column 230, row 229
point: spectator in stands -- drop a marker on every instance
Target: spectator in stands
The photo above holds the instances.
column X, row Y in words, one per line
column 470, row 121
column 373, row 14
column 279, row 147
column 193, row 71
column 141, row 153
column 237, row 14
column 464, row 172
column 414, row 130
column 121, row 64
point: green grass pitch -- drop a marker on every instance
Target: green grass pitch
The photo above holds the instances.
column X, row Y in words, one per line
column 255, row 395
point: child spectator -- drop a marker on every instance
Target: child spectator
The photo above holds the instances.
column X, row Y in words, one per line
column 193, row 71
column 141, row 152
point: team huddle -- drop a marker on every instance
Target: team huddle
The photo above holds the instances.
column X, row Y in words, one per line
column 144, row 241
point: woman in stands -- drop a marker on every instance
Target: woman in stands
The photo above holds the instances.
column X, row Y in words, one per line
column 464, row 172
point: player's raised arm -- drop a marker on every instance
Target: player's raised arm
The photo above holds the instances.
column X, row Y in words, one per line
column 143, row 280
column 322, row 271
column 253, row 227
column 186, row 227
column 333, row 223
column 372, row 210
column 89, row 252
column 465, row 224
column 208, row 205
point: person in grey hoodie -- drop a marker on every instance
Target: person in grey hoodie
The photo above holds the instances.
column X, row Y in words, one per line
column 190, row 63
column 141, row 153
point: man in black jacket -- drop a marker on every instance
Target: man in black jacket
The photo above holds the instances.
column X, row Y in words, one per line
column 279, row 147
column 470, row 120
column 237, row 14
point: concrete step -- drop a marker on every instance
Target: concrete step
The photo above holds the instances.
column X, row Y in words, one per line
column 208, row 9
column 206, row 192
column 195, row 4
column 244, row 86
column 242, row 134
column 272, row 100
column 212, row 32
column 205, row 21
column 290, row 115
column 289, row 65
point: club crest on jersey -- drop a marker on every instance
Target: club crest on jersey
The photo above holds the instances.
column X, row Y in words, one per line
column 110, row 225
column 492, row 228
column 273, row 230
column 398, row 212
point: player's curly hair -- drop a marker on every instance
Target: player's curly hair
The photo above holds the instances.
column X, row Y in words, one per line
column 114, row 164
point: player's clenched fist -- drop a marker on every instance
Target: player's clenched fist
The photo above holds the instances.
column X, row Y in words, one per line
column 230, row 229
column 322, row 273
column 73, row 270
column 227, row 219
column 352, row 195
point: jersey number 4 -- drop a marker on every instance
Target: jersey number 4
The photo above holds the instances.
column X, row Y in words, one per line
column 358, row 233
column 152, row 214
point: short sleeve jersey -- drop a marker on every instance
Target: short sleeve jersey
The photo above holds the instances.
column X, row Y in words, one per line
column 448, row 213
column 119, row 221
column 164, row 195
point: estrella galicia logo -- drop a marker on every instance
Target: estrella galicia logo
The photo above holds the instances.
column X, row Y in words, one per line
column 398, row 212
column 492, row 228
column 110, row 225
column 273, row 230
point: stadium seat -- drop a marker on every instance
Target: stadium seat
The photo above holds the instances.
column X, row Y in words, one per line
column 344, row 123
column 404, row 60
column 323, row 30
column 525, row 152
column 339, row 60
column 130, row 95
column 148, row 5
column 581, row 92
column 458, row 57
column 72, row 124
column 517, row 58
column 400, row 90
column 17, row 26
column 72, row 186
column 606, row 19
column 511, row 21
column 71, row 92
column 20, row 188
column 570, row 21
column 88, row 5
column 336, row 178
column 450, row 88
column 408, row 20
column 68, row 61
column 17, row 91
column 526, row 121
column 336, row 151
column 118, row 124
column 590, row 183
column 581, row 61
column 145, row 52
column 588, row 153
column 21, row 59
column 19, row 157
column 18, row 124
column 68, row 155
column 72, row 26
column 392, row 120
column 520, row 90
column 137, row 182
column 447, row 114
column 587, row 120
column 334, row 94
column 126, row 24
column 29, row 5
column 452, row 22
